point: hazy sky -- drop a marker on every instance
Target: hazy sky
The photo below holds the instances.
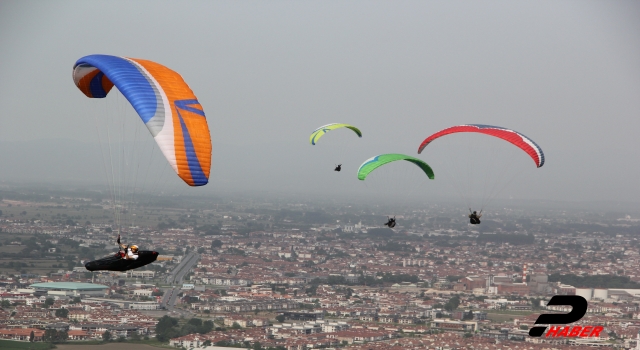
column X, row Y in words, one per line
column 267, row 73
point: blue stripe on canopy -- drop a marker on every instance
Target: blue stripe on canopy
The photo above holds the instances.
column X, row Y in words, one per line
column 127, row 78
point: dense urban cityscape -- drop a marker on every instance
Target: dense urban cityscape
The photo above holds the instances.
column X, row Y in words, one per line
column 287, row 274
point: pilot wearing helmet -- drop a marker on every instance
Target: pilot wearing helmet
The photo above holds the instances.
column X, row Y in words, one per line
column 130, row 252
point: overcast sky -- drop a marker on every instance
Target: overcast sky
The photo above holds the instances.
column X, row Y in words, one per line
column 564, row 73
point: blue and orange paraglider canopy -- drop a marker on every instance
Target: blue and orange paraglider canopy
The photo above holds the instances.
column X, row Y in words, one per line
column 164, row 102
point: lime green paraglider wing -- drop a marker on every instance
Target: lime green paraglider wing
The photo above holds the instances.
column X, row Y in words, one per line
column 373, row 163
column 317, row 133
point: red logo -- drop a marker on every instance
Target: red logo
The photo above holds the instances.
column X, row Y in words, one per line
column 575, row 331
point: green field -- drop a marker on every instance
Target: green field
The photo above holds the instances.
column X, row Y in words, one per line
column 23, row 345
column 95, row 345
column 515, row 313
column 501, row 317
column 82, row 345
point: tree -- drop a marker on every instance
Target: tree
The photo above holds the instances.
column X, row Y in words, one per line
column 206, row 343
column 165, row 329
column 216, row 244
column 207, row 326
column 452, row 304
column 5, row 304
column 48, row 302
column 106, row 336
column 51, row 336
column 236, row 325
column 280, row 318
column 195, row 321
column 62, row 336
column 257, row 346
column 31, row 337
column 62, row 313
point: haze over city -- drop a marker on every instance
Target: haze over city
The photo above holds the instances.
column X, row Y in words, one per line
column 267, row 74
column 207, row 201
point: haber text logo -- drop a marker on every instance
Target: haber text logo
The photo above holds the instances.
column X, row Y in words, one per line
column 579, row 309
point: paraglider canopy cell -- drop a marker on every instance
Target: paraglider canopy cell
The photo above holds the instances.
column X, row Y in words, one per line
column 317, row 133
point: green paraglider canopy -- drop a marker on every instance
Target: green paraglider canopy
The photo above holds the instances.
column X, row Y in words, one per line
column 375, row 162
